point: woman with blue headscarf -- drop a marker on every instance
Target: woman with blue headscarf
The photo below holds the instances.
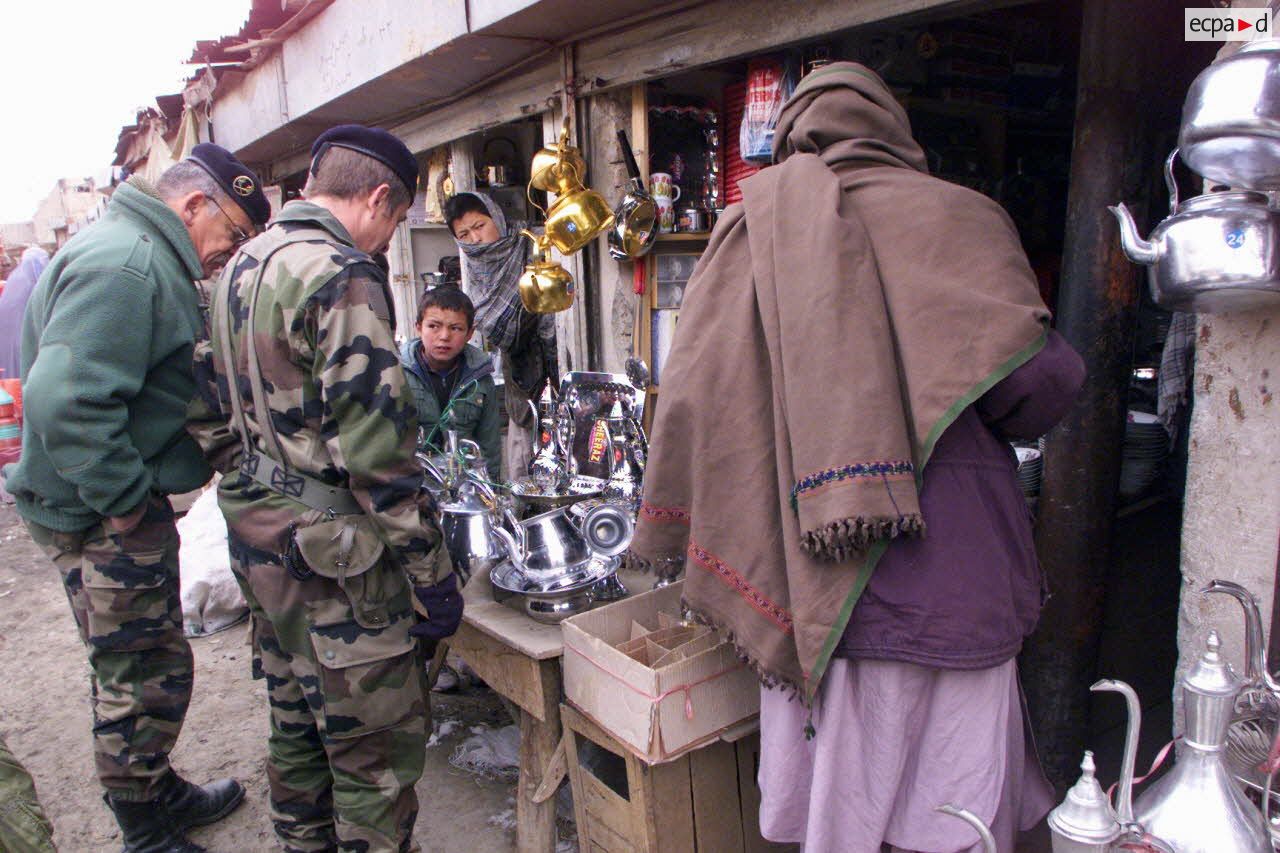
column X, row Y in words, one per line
column 13, row 302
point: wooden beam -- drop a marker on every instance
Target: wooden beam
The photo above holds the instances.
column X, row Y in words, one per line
column 713, row 32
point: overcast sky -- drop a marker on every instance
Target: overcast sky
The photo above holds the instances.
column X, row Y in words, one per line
column 74, row 72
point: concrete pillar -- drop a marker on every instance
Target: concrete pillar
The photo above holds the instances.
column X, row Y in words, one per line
column 1231, row 519
column 612, row 299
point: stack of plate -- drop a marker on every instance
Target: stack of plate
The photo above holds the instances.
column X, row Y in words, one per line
column 1030, row 469
column 1145, row 446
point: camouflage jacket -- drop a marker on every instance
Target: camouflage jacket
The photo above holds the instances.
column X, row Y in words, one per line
column 334, row 385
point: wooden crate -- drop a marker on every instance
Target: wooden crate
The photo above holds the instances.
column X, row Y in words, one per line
column 705, row 801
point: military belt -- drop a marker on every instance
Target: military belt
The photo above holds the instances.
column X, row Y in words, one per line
column 306, row 490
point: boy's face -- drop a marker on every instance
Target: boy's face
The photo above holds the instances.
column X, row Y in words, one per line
column 475, row 228
column 444, row 333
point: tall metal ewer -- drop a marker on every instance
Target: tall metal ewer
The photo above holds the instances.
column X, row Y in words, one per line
column 1196, row 807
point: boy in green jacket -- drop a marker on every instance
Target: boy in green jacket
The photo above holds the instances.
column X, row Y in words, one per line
column 452, row 382
column 107, row 342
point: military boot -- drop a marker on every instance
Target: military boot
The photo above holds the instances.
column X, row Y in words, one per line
column 149, row 828
column 196, row 805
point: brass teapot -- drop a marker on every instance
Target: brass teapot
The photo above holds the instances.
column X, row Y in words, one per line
column 576, row 218
column 545, row 286
column 558, row 168
column 579, row 212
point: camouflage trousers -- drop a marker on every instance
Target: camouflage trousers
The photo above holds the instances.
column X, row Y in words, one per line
column 123, row 590
column 349, row 713
column 23, row 825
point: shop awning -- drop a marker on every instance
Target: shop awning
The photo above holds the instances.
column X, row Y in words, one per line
column 283, row 81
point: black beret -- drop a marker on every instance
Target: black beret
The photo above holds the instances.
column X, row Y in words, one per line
column 374, row 142
column 236, row 180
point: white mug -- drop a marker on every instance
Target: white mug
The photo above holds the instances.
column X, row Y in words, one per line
column 661, row 186
column 666, row 213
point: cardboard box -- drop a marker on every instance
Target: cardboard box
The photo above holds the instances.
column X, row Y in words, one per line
column 706, row 801
column 657, row 713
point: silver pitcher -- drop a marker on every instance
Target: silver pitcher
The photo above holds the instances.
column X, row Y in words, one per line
column 559, row 568
column 469, row 522
column 1216, row 252
column 1196, row 807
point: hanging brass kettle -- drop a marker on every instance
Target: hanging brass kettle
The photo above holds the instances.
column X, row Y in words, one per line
column 545, row 286
column 579, row 213
column 576, row 218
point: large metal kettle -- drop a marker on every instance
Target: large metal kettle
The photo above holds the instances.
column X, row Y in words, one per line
column 1196, row 807
column 550, row 549
column 1216, row 252
column 1231, row 118
column 635, row 219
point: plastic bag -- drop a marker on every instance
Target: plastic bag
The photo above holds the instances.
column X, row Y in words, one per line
column 770, row 82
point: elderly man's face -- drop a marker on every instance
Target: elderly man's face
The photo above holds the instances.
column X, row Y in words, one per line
column 217, row 229
column 475, row 228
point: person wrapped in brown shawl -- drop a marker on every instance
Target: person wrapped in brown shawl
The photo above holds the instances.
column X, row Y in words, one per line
column 829, row 466
column 842, row 317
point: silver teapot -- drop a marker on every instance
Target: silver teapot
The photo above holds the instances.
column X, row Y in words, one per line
column 553, row 551
column 469, row 521
column 1216, row 252
column 1231, row 118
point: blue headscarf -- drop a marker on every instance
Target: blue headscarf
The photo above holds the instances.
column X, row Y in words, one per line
column 13, row 302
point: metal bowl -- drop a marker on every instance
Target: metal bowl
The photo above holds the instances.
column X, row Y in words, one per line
column 529, row 494
column 567, row 596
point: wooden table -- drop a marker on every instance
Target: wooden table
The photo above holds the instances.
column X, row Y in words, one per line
column 520, row 660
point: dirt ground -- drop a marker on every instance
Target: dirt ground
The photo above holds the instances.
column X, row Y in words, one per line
column 45, row 717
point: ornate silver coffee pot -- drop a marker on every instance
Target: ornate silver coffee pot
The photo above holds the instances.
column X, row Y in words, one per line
column 626, row 459
column 1196, row 807
column 551, row 468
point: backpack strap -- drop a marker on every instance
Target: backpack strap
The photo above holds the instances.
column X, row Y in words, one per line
column 270, row 468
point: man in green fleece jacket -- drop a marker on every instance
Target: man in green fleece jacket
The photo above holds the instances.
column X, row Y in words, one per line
column 107, row 343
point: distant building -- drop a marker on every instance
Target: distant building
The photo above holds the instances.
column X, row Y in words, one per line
column 70, row 205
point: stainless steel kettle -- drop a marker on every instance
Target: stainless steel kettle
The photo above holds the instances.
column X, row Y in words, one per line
column 1216, row 252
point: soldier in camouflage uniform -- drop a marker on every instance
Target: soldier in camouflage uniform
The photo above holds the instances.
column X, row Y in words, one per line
column 337, row 647
column 106, row 358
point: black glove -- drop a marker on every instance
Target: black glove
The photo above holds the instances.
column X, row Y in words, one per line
column 442, row 604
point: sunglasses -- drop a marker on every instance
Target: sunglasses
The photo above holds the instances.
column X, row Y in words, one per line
column 238, row 234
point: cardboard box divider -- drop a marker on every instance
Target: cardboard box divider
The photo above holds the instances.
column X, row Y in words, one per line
column 667, row 703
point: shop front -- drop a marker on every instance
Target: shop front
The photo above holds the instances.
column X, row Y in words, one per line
column 1050, row 109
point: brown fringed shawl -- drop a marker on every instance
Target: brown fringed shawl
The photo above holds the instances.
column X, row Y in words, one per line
column 839, row 321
